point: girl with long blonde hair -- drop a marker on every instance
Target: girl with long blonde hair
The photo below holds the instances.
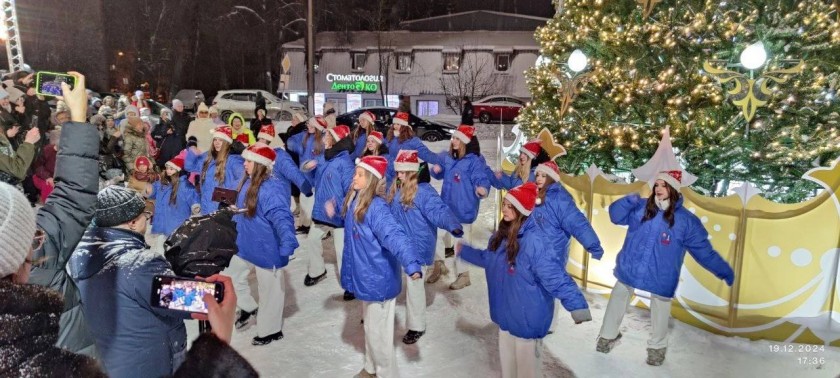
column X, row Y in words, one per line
column 375, row 248
column 420, row 211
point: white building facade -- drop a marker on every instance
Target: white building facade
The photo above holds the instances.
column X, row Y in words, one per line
column 430, row 65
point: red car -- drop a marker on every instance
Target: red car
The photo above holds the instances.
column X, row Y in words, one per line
column 495, row 108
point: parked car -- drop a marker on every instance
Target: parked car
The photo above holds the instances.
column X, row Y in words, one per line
column 495, row 108
column 424, row 129
column 243, row 101
column 190, row 98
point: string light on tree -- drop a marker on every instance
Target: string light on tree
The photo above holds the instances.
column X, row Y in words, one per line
column 646, row 73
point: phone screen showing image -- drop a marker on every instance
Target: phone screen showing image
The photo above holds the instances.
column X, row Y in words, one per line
column 49, row 83
column 183, row 294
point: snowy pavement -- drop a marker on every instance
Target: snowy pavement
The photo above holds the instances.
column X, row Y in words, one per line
column 324, row 337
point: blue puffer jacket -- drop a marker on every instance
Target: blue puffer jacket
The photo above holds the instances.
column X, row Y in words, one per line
column 558, row 218
column 288, row 173
column 268, row 238
column 168, row 217
column 361, row 143
column 304, row 151
column 234, row 169
column 114, row 271
column 461, row 178
column 422, row 219
column 508, row 181
column 374, row 250
column 331, row 179
column 522, row 297
column 394, row 147
column 652, row 255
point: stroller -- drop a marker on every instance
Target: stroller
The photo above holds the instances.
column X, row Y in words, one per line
column 203, row 246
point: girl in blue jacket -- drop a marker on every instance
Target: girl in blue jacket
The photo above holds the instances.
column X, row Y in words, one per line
column 419, row 210
column 216, row 168
column 308, row 146
column 558, row 219
column 362, row 132
column 530, row 156
column 284, row 168
column 375, row 249
column 523, row 279
column 265, row 238
column 465, row 183
column 659, row 232
column 330, row 174
column 401, row 137
column 175, row 198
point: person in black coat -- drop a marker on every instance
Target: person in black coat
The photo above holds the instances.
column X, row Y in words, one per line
column 466, row 111
column 180, row 118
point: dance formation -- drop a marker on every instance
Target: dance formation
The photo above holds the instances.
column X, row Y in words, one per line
column 372, row 193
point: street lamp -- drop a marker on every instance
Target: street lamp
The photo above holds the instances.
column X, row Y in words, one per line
column 120, row 53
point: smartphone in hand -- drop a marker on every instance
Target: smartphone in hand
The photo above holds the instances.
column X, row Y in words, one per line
column 49, row 83
column 184, row 294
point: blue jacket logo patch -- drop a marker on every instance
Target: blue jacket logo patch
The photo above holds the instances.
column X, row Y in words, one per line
column 665, row 238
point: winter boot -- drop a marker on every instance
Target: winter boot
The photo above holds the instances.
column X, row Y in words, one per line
column 348, row 296
column 245, row 320
column 461, row 282
column 364, row 374
column 656, row 356
column 310, row 281
column 302, row 230
column 606, row 345
column 449, row 252
column 268, row 339
column 412, row 336
column 434, row 272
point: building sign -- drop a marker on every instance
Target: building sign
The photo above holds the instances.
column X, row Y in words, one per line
column 354, row 83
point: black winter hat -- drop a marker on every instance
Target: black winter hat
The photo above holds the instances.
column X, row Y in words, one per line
column 116, row 205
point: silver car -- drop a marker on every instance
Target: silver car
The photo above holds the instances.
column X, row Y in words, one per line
column 243, row 101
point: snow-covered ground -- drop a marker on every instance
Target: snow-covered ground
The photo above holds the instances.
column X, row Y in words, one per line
column 324, row 337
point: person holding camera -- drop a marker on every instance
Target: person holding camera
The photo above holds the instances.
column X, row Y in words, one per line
column 114, row 272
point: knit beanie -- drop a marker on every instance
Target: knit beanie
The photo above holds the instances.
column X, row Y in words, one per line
column 17, row 228
column 116, row 205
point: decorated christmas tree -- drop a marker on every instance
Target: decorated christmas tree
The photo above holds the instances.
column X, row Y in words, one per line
column 733, row 115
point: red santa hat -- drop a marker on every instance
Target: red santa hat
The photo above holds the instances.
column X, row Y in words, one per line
column 550, row 169
column 401, row 118
column 374, row 164
column 376, row 136
column 673, row 178
column 260, row 154
column 532, row 149
column 339, row 132
column 370, row 117
column 267, row 133
column 523, row 197
column 464, row 133
column 224, row 133
column 318, row 122
column 407, row 160
column 177, row 163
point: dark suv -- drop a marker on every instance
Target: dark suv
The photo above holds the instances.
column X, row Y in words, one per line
column 424, row 129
